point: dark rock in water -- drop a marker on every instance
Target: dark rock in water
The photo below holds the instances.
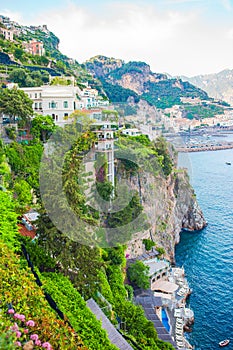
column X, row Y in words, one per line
column 194, row 219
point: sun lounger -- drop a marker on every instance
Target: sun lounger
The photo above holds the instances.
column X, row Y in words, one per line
column 180, row 345
column 179, row 339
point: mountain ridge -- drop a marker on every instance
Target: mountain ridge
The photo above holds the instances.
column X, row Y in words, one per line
column 217, row 85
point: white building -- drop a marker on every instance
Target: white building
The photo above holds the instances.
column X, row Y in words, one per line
column 60, row 101
column 57, row 101
column 105, row 144
column 131, row 132
column 89, row 97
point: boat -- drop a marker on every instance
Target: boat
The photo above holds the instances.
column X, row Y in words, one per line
column 228, row 163
column 224, row 342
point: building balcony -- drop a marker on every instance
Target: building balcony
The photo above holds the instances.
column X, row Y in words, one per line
column 106, row 139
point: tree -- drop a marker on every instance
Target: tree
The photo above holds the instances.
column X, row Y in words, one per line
column 148, row 243
column 23, row 192
column 42, row 127
column 18, row 76
column 161, row 147
column 15, row 103
column 8, row 220
column 139, row 274
column 19, row 53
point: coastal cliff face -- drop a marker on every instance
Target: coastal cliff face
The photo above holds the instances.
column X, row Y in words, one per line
column 136, row 77
column 170, row 205
column 101, row 66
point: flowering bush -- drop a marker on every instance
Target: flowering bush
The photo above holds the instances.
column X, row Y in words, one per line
column 24, row 337
column 26, row 319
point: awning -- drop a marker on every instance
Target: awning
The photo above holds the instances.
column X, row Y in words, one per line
column 164, row 286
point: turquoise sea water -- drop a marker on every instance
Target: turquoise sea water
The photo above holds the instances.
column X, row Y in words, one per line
column 207, row 256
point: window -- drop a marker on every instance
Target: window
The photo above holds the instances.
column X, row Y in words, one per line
column 65, row 104
column 36, row 105
column 40, row 105
column 52, row 104
column 53, row 116
column 66, row 114
column 35, row 95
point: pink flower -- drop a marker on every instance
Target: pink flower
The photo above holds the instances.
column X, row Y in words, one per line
column 19, row 317
column 30, row 323
column 22, row 318
column 34, row 337
column 18, row 334
column 25, row 331
column 17, row 343
column 14, row 328
column 38, row 342
column 47, row 346
column 11, row 311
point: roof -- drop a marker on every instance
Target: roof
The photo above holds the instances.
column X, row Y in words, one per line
column 149, row 308
column 25, row 232
column 32, row 216
column 164, row 286
column 114, row 336
column 156, row 266
column 146, row 256
column 148, row 300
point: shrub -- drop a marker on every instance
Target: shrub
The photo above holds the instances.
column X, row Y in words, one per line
column 148, row 243
column 18, row 289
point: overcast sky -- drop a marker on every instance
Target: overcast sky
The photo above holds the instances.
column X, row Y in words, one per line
column 179, row 37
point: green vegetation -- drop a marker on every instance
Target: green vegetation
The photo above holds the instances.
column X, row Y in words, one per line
column 59, row 258
column 24, row 161
column 161, row 251
column 132, row 317
column 8, row 221
column 19, row 290
column 74, row 307
column 42, row 127
column 167, row 93
column 202, row 111
column 162, row 149
column 116, row 93
column 27, row 78
column 15, row 104
column 139, row 274
column 129, row 68
column 71, row 272
column 149, row 244
column 139, row 152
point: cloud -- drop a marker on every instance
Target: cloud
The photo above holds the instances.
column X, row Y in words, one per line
column 183, row 1
column 227, row 4
column 123, row 30
column 15, row 16
column 180, row 42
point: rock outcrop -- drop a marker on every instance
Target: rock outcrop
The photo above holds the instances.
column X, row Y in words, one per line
column 170, row 205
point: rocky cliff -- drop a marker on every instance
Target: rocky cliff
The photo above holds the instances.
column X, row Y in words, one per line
column 156, row 88
column 170, row 205
column 219, row 85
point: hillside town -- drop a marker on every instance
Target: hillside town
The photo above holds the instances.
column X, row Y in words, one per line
column 67, row 99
